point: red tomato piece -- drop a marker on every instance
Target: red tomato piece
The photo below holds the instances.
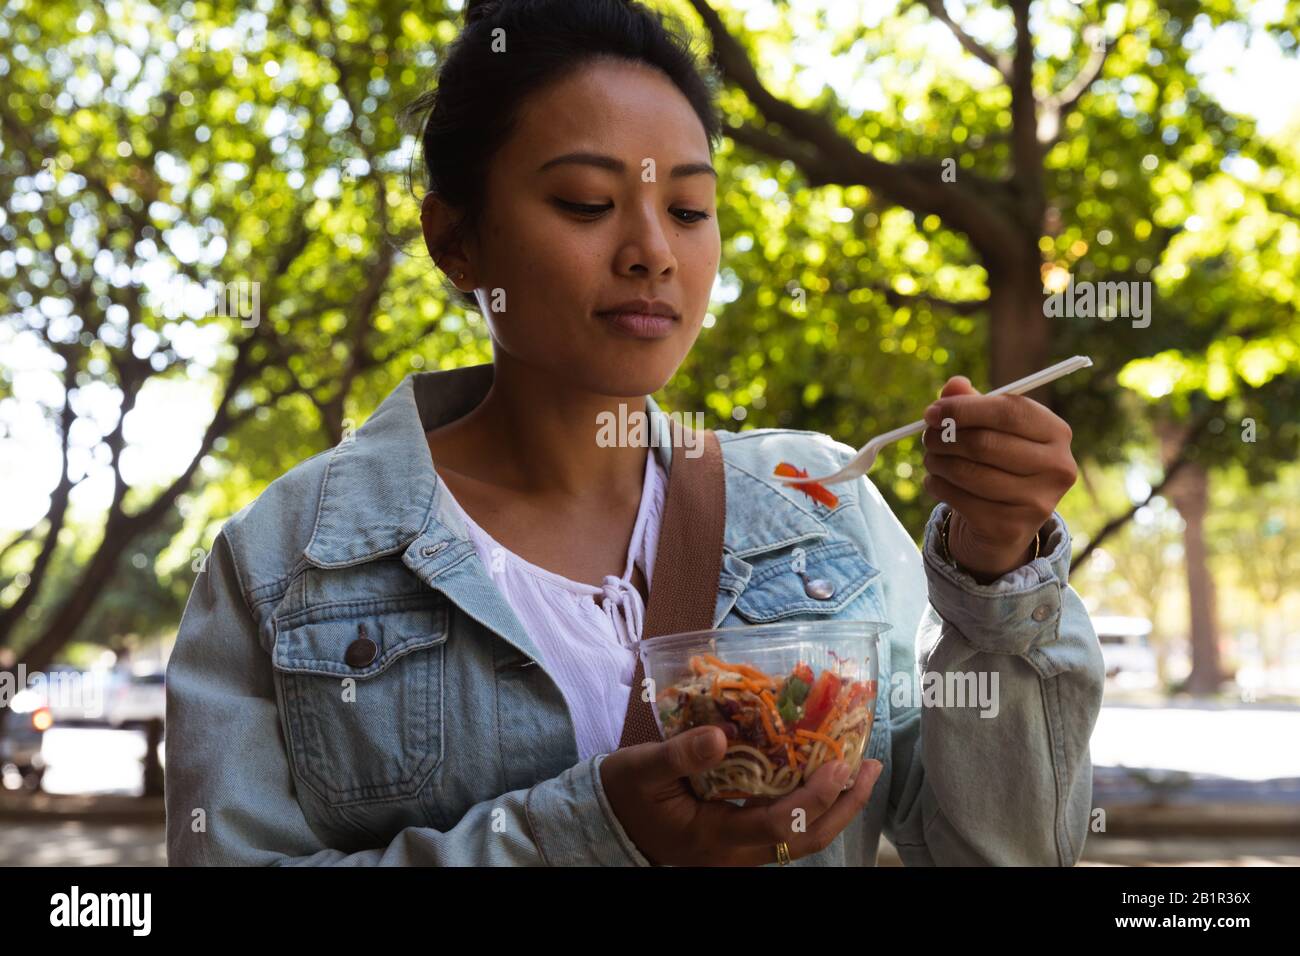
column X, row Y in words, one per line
column 820, row 699
column 812, row 489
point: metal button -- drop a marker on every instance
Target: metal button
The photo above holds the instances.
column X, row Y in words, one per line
column 429, row 550
column 818, row 588
column 361, row 651
column 1042, row 612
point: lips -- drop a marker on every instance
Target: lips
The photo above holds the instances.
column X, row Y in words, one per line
column 641, row 307
column 641, row 325
column 641, row 318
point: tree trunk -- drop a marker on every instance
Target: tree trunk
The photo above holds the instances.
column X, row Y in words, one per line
column 1019, row 333
column 1189, row 492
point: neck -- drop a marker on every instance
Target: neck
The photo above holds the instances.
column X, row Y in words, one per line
column 538, row 436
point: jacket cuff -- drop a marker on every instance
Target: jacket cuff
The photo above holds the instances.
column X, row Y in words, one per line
column 573, row 823
column 1018, row 611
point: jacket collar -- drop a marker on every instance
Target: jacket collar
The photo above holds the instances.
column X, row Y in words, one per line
column 380, row 489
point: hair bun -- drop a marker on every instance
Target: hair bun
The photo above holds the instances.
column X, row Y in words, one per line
column 476, row 10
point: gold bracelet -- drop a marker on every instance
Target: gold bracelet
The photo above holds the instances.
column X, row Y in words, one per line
column 947, row 555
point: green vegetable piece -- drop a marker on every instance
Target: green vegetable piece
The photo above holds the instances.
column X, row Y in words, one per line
column 797, row 690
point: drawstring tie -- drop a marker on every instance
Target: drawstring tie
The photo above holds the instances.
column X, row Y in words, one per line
column 623, row 605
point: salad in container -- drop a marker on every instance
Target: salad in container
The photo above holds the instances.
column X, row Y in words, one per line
column 790, row 697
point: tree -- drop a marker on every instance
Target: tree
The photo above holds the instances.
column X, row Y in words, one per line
column 205, row 202
column 1108, row 161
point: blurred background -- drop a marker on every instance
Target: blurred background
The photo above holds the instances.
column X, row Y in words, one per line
column 210, row 270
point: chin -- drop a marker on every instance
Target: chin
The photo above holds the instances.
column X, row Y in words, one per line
column 628, row 376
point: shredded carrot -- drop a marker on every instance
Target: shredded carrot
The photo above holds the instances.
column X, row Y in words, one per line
column 789, row 750
column 731, row 685
column 743, row 669
column 829, row 741
column 767, row 724
column 829, row 719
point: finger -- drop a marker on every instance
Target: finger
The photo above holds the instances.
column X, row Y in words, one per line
column 765, row 826
column 983, row 480
column 958, row 385
column 1009, row 452
column 988, row 519
column 829, row 825
column 821, row 832
column 690, row 752
column 1008, row 413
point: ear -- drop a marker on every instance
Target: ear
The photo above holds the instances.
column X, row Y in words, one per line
column 438, row 222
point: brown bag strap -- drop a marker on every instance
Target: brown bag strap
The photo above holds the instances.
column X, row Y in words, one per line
column 688, row 562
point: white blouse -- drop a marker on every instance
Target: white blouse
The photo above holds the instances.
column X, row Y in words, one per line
column 588, row 648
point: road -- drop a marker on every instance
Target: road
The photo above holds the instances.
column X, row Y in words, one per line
column 1195, row 751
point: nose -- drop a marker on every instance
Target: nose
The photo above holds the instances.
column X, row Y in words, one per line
column 646, row 249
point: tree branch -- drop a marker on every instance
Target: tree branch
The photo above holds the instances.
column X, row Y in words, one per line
column 1026, row 154
column 1060, row 105
column 972, row 46
column 1176, row 464
column 825, row 156
column 958, row 306
column 56, row 515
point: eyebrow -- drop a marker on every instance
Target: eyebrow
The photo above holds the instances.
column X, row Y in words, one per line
column 617, row 165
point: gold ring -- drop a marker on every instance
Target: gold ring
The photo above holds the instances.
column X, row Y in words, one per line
column 782, row 853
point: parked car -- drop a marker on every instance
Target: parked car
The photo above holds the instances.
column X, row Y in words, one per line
column 1126, row 650
column 21, row 763
column 136, row 699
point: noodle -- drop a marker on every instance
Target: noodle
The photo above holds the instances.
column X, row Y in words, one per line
column 757, row 761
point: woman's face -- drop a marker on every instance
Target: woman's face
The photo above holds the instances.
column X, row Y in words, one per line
column 564, row 239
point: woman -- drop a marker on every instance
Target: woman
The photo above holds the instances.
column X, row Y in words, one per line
column 416, row 648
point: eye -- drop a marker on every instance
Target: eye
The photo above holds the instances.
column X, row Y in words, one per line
column 699, row 215
column 583, row 209
column 687, row 216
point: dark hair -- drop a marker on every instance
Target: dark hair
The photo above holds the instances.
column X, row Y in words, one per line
column 471, row 112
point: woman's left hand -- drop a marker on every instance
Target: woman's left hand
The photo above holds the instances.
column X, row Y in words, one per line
column 1005, row 465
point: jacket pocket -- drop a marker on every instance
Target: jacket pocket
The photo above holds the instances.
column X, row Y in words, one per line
column 837, row 578
column 361, row 697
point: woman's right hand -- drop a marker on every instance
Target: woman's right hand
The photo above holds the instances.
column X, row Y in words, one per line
column 647, row 787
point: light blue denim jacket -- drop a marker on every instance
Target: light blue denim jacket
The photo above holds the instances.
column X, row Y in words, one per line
column 454, row 745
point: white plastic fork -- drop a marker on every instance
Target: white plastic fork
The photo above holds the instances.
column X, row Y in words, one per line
column 866, row 456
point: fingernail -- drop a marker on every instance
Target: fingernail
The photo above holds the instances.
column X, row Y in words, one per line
column 873, row 768
column 841, row 775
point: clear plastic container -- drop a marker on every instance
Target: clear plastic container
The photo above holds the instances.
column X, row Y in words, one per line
column 790, row 698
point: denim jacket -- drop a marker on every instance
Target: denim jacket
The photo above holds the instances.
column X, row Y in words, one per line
column 449, row 743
